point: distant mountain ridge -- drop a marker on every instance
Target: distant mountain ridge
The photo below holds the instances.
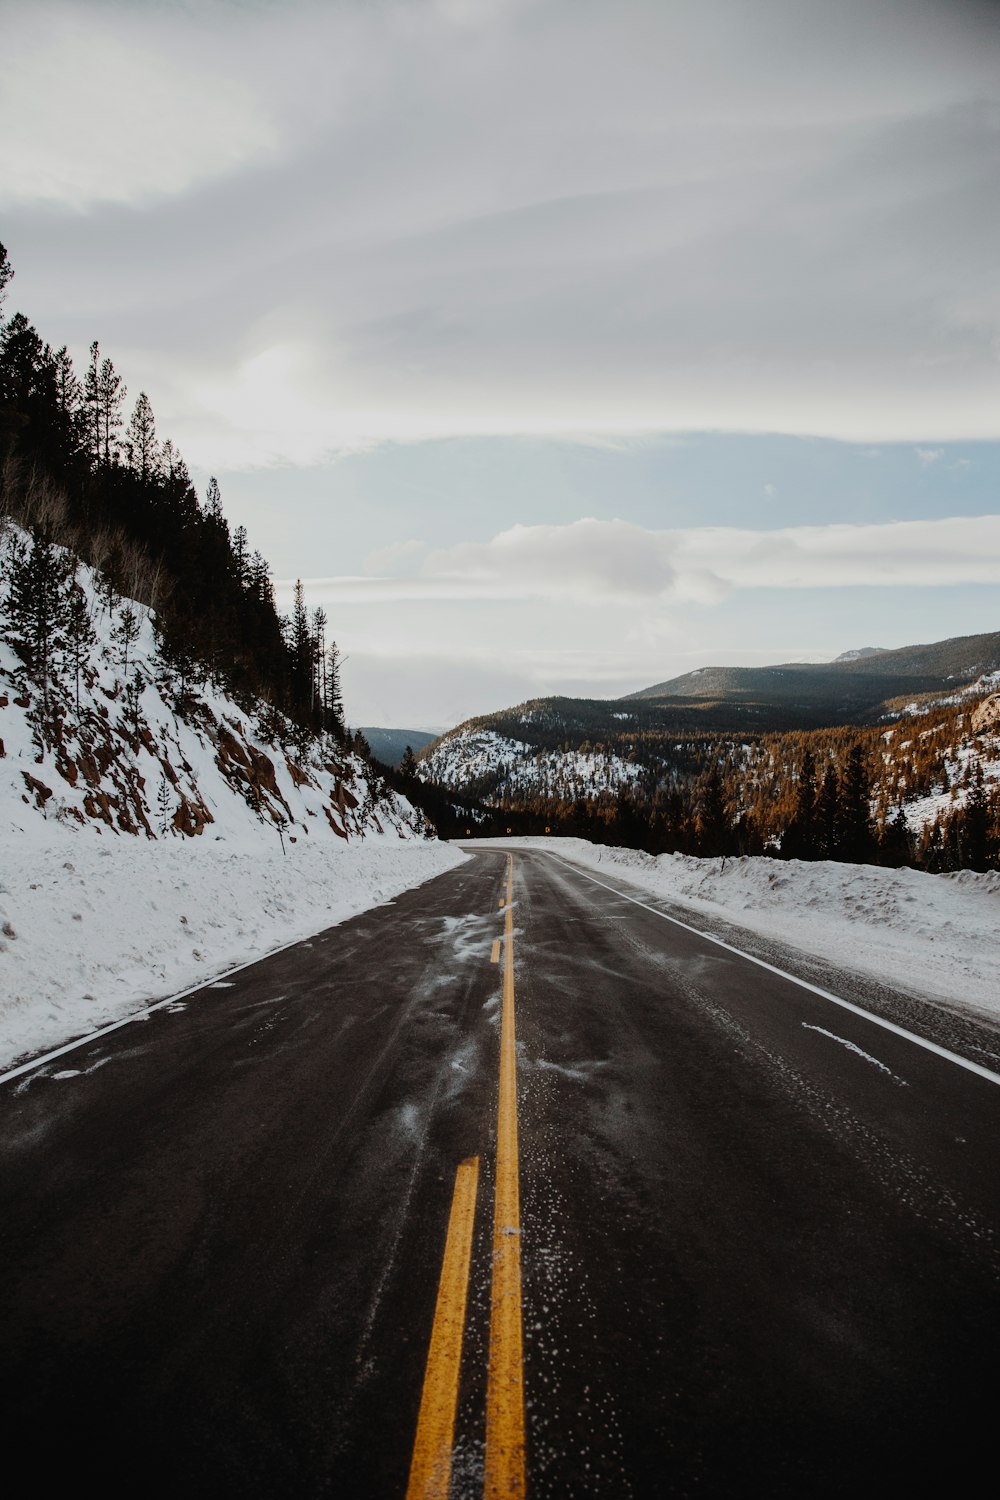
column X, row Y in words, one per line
column 617, row 763
column 859, row 652
column 389, row 745
column 856, row 686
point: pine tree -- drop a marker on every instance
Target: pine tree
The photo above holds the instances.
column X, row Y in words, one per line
column 38, row 606
column 827, row 804
column 241, row 556
column 133, row 701
column 22, row 358
column 895, row 842
column 975, row 824
column 125, row 634
column 799, row 841
column 69, row 402
column 92, row 404
column 164, row 803
column 111, row 397
column 80, row 635
column 855, row 841
column 408, row 764
column 334, row 703
column 301, row 649
column 6, row 273
column 714, row 828
column 141, row 448
column 317, row 697
column 213, row 501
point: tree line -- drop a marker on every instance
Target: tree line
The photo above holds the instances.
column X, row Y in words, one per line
column 77, row 473
column 837, row 794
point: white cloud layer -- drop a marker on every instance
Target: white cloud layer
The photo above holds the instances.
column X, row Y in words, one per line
column 356, row 222
column 592, row 562
column 108, row 104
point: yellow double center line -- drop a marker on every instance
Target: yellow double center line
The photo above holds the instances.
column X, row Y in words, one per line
column 430, row 1469
column 505, row 1376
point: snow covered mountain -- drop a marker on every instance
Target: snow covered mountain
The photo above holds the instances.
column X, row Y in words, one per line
column 569, row 762
column 481, row 762
column 115, row 743
column 153, row 830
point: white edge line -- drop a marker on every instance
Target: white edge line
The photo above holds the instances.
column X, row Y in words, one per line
column 803, row 984
column 147, row 1010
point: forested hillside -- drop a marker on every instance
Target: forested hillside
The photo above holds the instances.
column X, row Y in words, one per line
column 83, row 467
column 922, row 786
column 148, row 683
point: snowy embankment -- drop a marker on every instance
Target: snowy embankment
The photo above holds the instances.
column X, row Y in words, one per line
column 93, row 929
column 932, row 935
column 154, row 833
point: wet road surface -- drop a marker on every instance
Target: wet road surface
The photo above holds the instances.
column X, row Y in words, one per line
column 757, row 1232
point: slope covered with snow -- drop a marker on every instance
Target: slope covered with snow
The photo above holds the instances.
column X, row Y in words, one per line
column 480, row 760
column 155, row 832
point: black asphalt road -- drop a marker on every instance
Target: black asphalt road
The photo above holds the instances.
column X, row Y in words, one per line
column 759, row 1233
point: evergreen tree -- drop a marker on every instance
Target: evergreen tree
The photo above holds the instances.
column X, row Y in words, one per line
column 799, row 841
column 318, row 696
column 895, row 842
column 164, row 802
column 6, row 273
column 80, row 635
column 133, row 701
column 38, row 606
column 22, row 361
column 111, row 397
column 92, row 404
column 301, row 647
column 241, row 556
column 141, row 448
column 334, row 704
column 827, row 804
column 975, row 824
column 714, row 828
column 69, row 402
column 855, row 840
column 125, row 634
column 213, row 502
column 408, row 764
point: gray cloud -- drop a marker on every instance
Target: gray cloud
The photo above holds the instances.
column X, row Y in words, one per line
column 591, row 562
column 523, row 217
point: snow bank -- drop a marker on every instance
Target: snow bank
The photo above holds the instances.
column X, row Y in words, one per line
column 932, row 935
column 149, row 839
column 91, row 928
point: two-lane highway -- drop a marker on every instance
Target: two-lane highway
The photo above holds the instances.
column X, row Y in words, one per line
column 515, row 1148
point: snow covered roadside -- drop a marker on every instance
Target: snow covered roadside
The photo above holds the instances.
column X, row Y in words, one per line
column 92, row 929
column 933, row 935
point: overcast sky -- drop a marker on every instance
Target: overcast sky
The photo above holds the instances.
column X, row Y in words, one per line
column 557, row 345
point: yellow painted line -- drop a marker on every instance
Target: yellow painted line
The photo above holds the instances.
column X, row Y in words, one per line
column 504, row 1477
column 502, row 903
column 430, row 1467
column 495, row 955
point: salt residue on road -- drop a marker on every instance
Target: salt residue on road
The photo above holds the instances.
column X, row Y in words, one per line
column 932, row 935
column 92, row 929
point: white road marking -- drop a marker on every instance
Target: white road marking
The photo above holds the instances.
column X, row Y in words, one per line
column 803, row 984
column 853, row 1047
column 141, row 1015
